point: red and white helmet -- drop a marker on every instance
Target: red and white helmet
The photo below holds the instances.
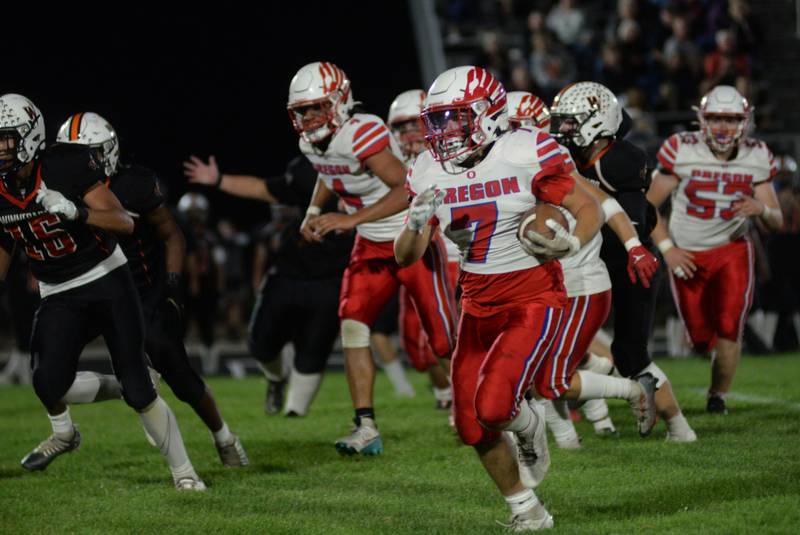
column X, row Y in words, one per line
column 724, row 101
column 20, row 118
column 405, row 122
column 526, row 109
column 93, row 131
column 465, row 110
column 320, row 84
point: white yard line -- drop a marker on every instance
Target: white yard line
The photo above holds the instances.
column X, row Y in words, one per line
column 761, row 400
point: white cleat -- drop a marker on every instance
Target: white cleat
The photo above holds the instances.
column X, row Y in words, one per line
column 689, row 436
column 190, row 484
column 535, row 519
column 532, row 453
column 644, row 404
column 364, row 439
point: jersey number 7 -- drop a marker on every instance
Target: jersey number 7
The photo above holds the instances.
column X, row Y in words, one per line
column 480, row 220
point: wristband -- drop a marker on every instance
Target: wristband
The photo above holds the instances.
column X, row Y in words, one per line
column 631, row 243
column 313, row 210
column 218, row 183
column 611, row 207
column 83, row 214
column 665, row 245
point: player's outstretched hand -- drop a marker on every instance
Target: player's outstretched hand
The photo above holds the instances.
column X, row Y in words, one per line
column 680, row 262
column 332, row 221
column 642, row 264
column 199, row 172
column 55, row 203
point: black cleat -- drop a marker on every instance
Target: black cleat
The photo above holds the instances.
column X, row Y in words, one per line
column 273, row 403
column 43, row 454
column 716, row 405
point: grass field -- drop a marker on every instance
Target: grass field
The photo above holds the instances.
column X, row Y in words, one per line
column 742, row 476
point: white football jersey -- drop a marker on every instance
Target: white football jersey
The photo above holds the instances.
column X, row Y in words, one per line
column 584, row 272
column 483, row 206
column 342, row 170
column 702, row 217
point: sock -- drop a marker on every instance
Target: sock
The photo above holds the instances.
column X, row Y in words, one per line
column 160, row 423
column 89, row 387
column 223, row 437
column 594, row 386
column 62, row 425
column 443, row 394
column 524, row 420
column 521, row 501
column 678, row 425
column 302, row 389
column 365, row 412
column 557, row 417
column 397, row 375
column 597, row 364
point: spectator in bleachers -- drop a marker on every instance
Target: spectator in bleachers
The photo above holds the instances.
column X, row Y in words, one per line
column 568, row 23
column 611, row 72
column 552, row 66
column 679, row 43
column 725, row 65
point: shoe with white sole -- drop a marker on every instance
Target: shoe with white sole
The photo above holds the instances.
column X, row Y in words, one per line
column 534, row 519
column 190, row 484
column 532, row 452
column 233, row 454
column 47, row 451
column 364, row 439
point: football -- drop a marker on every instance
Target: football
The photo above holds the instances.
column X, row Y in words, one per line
column 535, row 218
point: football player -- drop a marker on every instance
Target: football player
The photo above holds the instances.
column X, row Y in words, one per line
column 719, row 178
column 587, row 119
column 358, row 159
column 298, row 299
column 476, row 182
column 406, row 125
column 54, row 203
column 155, row 253
column 588, row 288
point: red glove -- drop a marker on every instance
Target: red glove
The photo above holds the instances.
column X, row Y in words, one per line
column 642, row 264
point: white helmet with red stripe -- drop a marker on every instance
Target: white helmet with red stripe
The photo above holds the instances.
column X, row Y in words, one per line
column 93, row 131
column 526, row 109
column 583, row 112
column 405, row 122
column 323, row 87
column 725, row 104
column 20, row 119
column 465, row 110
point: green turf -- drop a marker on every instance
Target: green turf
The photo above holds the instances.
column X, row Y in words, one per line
column 742, row 476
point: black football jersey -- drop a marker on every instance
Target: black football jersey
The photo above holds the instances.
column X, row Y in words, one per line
column 59, row 250
column 623, row 171
column 138, row 190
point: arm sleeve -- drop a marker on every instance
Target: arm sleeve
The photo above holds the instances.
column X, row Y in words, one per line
column 667, row 153
column 369, row 139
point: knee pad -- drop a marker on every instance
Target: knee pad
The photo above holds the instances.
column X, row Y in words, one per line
column 355, row 334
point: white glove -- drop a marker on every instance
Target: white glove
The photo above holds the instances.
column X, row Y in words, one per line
column 423, row 207
column 561, row 245
column 55, row 203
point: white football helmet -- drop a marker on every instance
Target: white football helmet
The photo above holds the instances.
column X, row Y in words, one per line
column 584, row 112
column 405, row 122
column 721, row 102
column 464, row 111
column 526, row 109
column 20, row 118
column 324, row 85
column 93, row 131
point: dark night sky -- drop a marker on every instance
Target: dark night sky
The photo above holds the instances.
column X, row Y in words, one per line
column 205, row 81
